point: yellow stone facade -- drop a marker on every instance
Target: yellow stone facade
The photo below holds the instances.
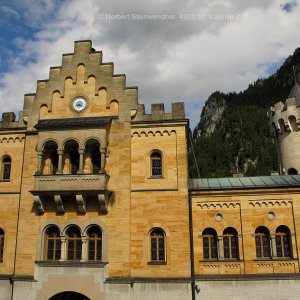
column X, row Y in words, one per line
column 84, row 155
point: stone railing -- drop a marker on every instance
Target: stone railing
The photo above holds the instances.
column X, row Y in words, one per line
column 82, row 182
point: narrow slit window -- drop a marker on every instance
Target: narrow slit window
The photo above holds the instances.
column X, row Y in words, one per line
column 156, row 164
column 6, row 168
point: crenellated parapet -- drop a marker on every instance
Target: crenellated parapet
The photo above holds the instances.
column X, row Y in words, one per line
column 158, row 113
column 9, row 121
column 285, row 117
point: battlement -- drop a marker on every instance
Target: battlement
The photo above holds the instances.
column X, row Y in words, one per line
column 158, row 113
column 285, row 117
column 9, row 121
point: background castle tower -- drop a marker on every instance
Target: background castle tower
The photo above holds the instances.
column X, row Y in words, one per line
column 284, row 120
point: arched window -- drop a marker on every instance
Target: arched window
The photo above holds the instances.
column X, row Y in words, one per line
column 94, row 235
column 50, row 158
column 283, row 242
column 210, row 244
column 292, row 171
column 71, row 157
column 53, row 243
column 1, row 244
column 157, row 244
column 93, row 157
column 156, row 164
column 262, row 242
column 74, row 243
column 230, row 241
column 6, row 168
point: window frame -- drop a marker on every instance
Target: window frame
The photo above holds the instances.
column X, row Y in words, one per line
column 283, row 236
column 262, row 234
column 75, row 240
column 156, row 155
column 232, row 235
column 156, row 241
column 210, row 244
column 57, row 244
column 4, row 164
column 97, row 240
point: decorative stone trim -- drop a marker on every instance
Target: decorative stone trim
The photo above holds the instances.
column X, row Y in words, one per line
column 270, row 203
column 217, row 204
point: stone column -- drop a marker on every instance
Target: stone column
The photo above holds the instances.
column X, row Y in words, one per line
column 81, row 153
column 60, row 160
column 103, row 159
column 220, row 247
column 293, row 247
column 39, row 166
column 63, row 256
column 273, row 246
column 84, row 250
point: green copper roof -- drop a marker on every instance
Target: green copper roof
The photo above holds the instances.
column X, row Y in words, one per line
column 244, row 182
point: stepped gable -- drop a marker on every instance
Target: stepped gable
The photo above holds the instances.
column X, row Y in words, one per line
column 82, row 74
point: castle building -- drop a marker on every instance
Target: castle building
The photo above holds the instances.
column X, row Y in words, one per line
column 96, row 202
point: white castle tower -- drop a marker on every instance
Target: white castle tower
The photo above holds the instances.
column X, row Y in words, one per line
column 284, row 120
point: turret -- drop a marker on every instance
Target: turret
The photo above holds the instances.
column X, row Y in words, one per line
column 284, row 120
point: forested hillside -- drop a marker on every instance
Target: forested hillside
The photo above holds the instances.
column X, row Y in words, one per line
column 233, row 128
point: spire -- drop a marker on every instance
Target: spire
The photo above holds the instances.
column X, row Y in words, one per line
column 295, row 92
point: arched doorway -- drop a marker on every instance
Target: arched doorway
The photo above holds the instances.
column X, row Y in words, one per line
column 69, row 296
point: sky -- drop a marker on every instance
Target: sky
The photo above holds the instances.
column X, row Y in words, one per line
column 173, row 50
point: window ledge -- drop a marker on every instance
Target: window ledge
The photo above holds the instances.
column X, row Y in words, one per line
column 275, row 259
column 86, row 264
column 222, row 260
column 156, row 177
column 157, row 263
column 5, row 180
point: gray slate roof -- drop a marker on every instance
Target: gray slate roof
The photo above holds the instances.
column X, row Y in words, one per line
column 73, row 122
column 229, row 183
column 295, row 92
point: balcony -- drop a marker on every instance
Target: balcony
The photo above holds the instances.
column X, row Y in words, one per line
column 64, row 183
column 81, row 187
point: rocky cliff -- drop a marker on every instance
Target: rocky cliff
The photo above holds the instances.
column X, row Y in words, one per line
column 233, row 130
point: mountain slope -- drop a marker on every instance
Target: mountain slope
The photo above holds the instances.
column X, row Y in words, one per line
column 233, row 128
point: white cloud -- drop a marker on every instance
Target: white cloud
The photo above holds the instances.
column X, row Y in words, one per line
column 230, row 45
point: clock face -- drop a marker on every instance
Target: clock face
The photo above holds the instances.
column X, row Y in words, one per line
column 79, row 104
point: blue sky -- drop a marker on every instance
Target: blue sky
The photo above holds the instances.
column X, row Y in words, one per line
column 189, row 51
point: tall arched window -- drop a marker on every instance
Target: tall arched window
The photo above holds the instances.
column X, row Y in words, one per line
column 94, row 235
column 157, row 244
column 210, row 244
column 74, row 243
column 6, row 168
column 50, row 158
column 156, row 164
column 283, row 242
column 53, row 243
column 93, row 156
column 71, row 157
column 262, row 242
column 1, row 244
column 230, row 241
